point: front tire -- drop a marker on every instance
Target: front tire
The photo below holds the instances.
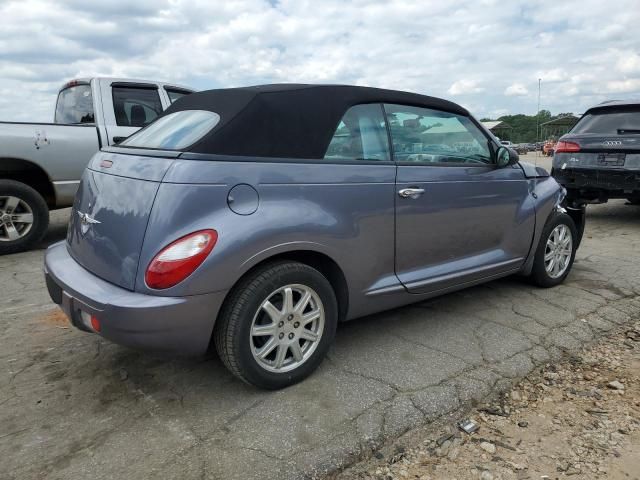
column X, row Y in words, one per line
column 24, row 217
column 556, row 251
column 277, row 325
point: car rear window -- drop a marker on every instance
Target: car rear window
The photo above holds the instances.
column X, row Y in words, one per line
column 75, row 105
column 610, row 121
column 175, row 131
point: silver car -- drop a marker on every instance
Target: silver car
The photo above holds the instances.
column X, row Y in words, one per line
column 258, row 218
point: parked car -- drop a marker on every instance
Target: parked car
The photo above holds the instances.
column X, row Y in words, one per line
column 520, row 148
column 41, row 163
column 599, row 158
column 258, row 218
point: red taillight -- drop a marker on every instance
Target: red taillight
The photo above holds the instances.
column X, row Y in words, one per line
column 567, row 147
column 179, row 259
column 95, row 323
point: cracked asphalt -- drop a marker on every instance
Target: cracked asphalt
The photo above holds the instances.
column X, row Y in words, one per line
column 73, row 406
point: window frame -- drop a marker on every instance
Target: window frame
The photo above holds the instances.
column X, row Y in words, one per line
column 490, row 142
column 134, row 86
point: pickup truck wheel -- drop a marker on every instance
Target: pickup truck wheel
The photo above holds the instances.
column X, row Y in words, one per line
column 24, row 217
column 277, row 325
column 556, row 251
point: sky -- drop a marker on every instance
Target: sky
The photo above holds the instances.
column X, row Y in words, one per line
column 486, row 55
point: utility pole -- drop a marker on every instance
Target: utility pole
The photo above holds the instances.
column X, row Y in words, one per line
column 538, row 113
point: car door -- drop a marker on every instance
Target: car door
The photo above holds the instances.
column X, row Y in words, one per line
column 459, row 218
column 134, row 105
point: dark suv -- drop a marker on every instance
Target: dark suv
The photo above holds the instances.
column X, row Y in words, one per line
column 599, row 158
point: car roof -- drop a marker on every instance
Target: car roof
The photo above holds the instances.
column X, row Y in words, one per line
column 617, row 103
column 287, row 120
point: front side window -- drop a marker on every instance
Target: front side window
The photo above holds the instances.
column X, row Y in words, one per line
column 75, row 105
column 175, row 131
column 424, row 135
column 136, row 107
column 361, row 135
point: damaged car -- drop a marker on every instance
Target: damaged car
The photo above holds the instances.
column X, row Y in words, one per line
column 256, row 219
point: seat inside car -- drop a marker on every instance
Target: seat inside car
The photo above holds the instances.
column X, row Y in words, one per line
column 138, row 116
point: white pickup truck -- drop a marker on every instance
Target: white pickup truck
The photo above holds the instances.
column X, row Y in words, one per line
column 41, row 163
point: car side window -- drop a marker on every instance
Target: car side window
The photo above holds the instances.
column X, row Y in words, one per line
column 360, row 135
column 136, row 107
column 423, row 135
column 175, row 94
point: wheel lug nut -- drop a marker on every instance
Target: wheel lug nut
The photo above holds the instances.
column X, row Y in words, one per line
column 296, row 325
column 281, row 336
column 290, row 336
column 290, row 317
column 280, row 324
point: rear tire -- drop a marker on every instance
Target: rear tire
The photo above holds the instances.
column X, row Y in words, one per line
column 24, row 217
column 277, row 324
column 553, row 263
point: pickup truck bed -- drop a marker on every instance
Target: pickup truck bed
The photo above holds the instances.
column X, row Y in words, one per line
column 41, row 163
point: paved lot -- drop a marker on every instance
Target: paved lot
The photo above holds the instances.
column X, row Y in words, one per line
column 74, row 407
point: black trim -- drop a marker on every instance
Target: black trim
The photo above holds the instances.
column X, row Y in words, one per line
column 143, row 152
column 185, row 91
column 491, row 166
column 389, row 138
column 142, row 86
column 251, row 159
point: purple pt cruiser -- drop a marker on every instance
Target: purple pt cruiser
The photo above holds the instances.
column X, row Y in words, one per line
column 255, row 219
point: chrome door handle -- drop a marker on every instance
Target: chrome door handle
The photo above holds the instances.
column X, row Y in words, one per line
column 411, row 192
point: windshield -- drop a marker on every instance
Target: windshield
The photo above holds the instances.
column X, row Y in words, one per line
column 174, row 131
column 610, row 121
column 75, row 105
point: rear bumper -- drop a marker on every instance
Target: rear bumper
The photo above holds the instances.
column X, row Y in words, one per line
column 593, row 183
column 181, row 325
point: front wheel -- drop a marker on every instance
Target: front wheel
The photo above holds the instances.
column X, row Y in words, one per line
column 277, row 325
column 556, row 251
column 24, row 217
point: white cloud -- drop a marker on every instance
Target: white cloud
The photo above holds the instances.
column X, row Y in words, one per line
column 629, row 62
column 624, row 86
column 553, row 75
column 516, row 90
column 479, row 52
column 462, row 87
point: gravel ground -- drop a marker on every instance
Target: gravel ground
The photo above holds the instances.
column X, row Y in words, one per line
column 577, row 418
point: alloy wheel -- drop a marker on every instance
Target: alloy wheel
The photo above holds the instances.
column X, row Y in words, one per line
column 287, row 328
column 16, row 218
column 558, row 251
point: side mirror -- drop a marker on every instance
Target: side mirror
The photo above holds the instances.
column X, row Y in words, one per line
column 506, row 156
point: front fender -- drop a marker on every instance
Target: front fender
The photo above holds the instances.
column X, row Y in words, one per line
column 549, row 197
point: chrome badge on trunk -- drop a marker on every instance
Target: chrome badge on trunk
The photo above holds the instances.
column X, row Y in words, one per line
column 86, row 221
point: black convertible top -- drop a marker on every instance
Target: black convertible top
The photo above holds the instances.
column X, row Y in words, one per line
column 286, row 120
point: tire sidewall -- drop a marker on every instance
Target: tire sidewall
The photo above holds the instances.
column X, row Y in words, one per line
column 252, row 371
column 539, row 271
column 40, row 215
